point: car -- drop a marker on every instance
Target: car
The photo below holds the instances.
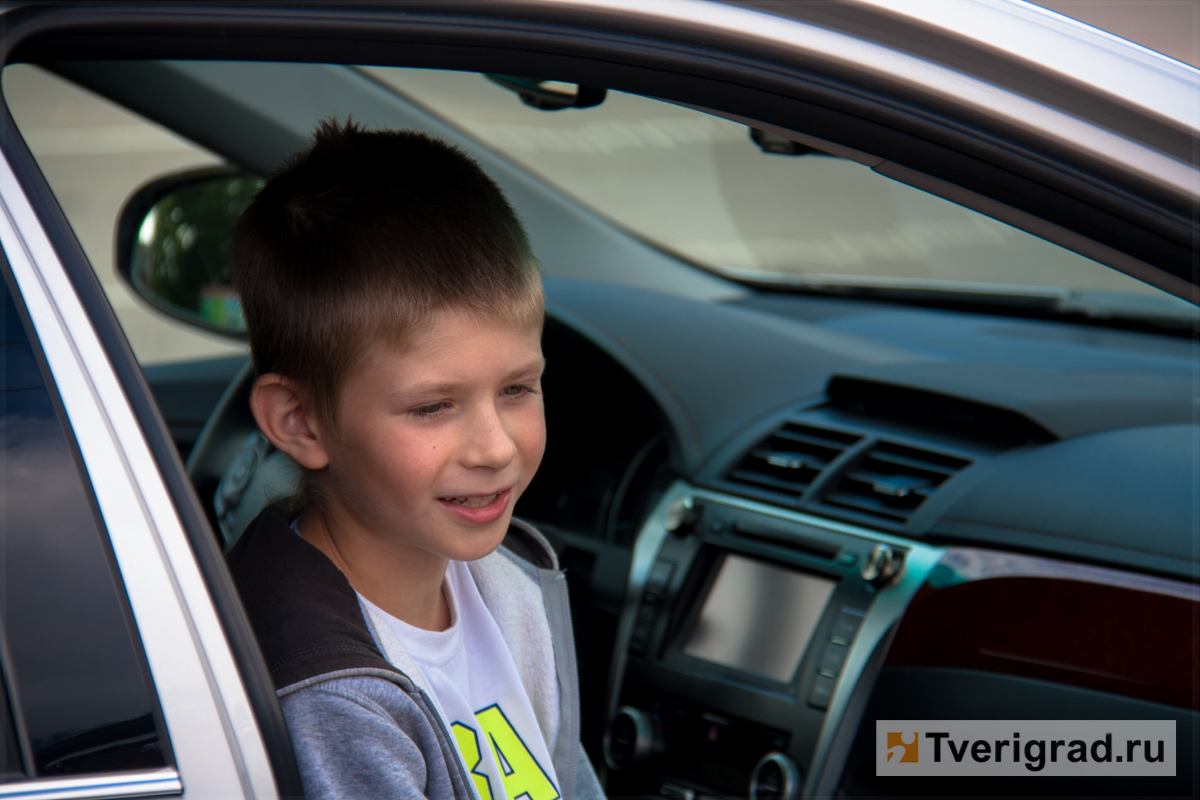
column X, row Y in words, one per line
column 872, row 389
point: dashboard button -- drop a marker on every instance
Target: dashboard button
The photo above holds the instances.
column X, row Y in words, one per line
column 822, row 692
column 656, row 582
column 832, row 659
column 881, row 565
column 682, row 515
column 846, row 626
column 640, row 637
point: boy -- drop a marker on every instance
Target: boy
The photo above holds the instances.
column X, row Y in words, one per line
column 417, row 635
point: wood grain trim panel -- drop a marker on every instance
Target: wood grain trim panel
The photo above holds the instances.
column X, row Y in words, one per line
column 1123, row 639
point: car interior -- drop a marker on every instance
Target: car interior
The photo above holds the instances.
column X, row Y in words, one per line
column 824, row 447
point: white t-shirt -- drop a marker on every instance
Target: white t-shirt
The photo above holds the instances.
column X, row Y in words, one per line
column 471, row 677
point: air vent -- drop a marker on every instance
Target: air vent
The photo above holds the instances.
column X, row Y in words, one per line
column 891, row 481
column 789, row 460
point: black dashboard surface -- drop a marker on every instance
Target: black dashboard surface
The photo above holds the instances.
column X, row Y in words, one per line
column 1122, row 496
column 1109, row 481
column 712, row 367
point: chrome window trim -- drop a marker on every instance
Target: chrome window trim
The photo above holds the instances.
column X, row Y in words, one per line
column 142, row 783
column 883, row 65
column 214, row 735
column 1056, row 43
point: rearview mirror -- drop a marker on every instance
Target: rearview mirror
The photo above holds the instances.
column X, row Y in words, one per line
column 173, row 241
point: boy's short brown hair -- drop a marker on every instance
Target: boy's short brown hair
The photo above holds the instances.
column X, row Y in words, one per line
column 359, row 239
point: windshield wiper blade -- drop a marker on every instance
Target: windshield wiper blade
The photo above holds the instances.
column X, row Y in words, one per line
column 1119, row 308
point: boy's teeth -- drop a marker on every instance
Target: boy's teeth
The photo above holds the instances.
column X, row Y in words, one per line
column 474, row 502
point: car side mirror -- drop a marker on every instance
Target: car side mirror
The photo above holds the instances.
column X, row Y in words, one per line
column 173, row 239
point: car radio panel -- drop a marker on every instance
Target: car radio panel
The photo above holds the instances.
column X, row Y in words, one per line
column 757, row 617
column 743, row 625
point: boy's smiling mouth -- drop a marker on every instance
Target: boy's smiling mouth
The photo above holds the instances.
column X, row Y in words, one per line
column 473, row 502
column 479, row 509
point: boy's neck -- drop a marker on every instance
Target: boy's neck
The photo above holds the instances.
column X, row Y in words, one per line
column 403, row 580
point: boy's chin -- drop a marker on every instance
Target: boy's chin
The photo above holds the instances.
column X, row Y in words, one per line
column 479, row 542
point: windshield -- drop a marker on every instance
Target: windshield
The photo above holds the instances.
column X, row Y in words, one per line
column 699, row 186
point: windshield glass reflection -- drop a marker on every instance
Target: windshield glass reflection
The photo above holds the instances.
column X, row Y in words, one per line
column 700, row 186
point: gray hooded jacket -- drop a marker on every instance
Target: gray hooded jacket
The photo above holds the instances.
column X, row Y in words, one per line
column 364, row 727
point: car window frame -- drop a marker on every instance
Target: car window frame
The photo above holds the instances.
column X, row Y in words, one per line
column 42, row 239
column 10, row 682
column 1130, row 222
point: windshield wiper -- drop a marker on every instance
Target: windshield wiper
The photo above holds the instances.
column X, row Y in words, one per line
column 1162, row 313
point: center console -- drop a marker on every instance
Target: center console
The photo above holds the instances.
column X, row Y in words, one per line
column 744, row 635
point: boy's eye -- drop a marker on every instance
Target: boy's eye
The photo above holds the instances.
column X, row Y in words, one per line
column 516, row 390
column 429, row 410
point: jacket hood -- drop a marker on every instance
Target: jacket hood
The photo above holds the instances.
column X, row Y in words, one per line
column 304, row 612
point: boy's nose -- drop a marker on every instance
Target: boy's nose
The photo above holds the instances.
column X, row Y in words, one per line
column 489, row 444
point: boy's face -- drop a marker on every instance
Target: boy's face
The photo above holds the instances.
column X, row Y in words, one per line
column 437, row 440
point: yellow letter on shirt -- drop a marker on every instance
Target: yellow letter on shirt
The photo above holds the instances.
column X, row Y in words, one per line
column 468, row 745
column 523, row 776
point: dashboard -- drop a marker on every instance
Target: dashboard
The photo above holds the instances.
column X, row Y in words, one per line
column 844, row 517
column 783, row 517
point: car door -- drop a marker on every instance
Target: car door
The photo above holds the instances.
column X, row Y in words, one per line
column 120, row 671
column 78, row 710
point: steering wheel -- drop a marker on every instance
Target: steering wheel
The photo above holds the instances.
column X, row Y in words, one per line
column 231, row 454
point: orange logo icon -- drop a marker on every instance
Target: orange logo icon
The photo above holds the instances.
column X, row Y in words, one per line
column 896, row 745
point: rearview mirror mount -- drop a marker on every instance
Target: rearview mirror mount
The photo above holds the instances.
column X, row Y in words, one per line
column 782, row 146
column 548, row 95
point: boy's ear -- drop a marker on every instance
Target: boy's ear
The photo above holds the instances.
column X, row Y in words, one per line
column 287, row 420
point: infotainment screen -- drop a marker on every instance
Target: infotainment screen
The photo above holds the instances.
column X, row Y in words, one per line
column 758, row 617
